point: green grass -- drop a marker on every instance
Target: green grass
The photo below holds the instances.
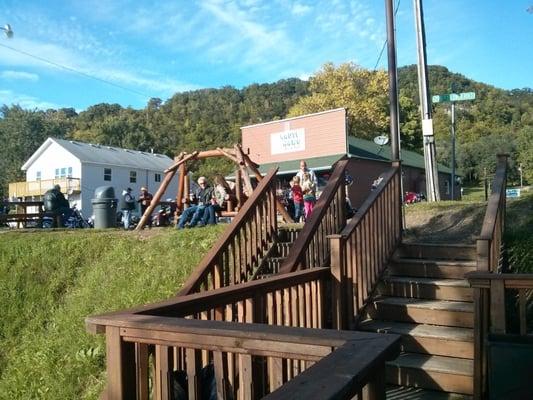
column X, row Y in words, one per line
column 519, row 232
column 49, row 283
column 473, row 193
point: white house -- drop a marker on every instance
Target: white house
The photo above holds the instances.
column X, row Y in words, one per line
column 82, row 167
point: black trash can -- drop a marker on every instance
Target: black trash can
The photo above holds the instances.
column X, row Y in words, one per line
column 104, row 207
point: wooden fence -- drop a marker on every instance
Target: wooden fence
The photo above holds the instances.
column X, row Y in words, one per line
column 360, row 253
column 311, row 248
column 215, row 332
column 245, row 242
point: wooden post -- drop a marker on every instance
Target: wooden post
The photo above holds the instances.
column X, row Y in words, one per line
column 120, row 366
column 478, row 343
column 181, row 188
column 483, row 254
column 238, row 186
column 376, row 388
column 337, row 245
column 497, row 306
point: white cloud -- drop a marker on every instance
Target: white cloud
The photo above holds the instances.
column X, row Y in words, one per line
column 19, row 75
column 25, row 101
column 300, row 9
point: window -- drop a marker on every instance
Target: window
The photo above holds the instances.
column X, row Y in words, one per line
column 133, row 176
column 447, row 186
column 57, row 173
column 38, row 175
column 107, row 174
column 69, row 172
column 63, row 172
column 157, row 177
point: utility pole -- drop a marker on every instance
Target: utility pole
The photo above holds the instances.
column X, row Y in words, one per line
column 452, row 193
column 393, row 83
column 430, row 157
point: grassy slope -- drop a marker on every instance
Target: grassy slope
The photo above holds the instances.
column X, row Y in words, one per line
column 50, row 281
column 461, row 221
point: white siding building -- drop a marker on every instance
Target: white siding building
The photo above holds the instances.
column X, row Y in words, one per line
column 82, row 167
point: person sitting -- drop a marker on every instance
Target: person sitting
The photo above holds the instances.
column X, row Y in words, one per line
column 56, row 203
column 195, row 212
column 221, row 195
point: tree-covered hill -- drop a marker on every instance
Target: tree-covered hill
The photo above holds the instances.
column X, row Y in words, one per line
column 498, row 120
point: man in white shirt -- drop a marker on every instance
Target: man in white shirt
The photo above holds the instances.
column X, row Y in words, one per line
column 303, row 170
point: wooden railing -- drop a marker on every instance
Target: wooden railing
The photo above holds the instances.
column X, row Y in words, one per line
column 311, row 248
column 215, row 332
column 360, row 253
column 243, row 245
column 519, row 298
column 489, row 252
column 38, row 188
column 19, row 213
column 489, row 242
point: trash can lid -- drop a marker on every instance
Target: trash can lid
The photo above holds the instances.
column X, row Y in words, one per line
column 104, row 192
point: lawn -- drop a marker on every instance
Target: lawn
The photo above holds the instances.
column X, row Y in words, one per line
column 50, row 281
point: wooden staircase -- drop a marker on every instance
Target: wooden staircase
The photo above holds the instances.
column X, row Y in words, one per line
column 271, row 264
column 424, row 298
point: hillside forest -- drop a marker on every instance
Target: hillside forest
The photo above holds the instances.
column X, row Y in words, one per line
column 496, row 121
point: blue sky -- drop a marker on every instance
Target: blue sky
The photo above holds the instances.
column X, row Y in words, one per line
column 156, row 48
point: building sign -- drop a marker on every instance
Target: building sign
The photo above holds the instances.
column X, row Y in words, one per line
column 512, row 193
column 287, row 141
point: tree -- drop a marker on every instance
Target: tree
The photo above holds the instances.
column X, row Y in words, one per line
column 362, row 92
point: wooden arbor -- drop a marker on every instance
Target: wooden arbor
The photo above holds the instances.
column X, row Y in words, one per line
column 242, row 177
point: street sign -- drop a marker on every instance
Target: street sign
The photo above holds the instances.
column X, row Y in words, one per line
column 447, row 98
column 512, row 193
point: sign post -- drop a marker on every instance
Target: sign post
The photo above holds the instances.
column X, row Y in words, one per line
column 452, row 98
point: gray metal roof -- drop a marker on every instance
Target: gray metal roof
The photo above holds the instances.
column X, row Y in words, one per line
column 106, row 155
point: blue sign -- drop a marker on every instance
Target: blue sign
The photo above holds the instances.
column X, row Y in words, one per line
column 512, row 193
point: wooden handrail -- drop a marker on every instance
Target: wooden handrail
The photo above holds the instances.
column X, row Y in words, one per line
column 295, row 258
column 367, row 204
column 358, row 358
column 262, row 193
column 495, row 199
column 489, row 309
column 360, row 253
column 180, row 306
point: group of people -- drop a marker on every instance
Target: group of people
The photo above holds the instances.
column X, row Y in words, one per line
column 303, row 188
column 128, row 205
column 205, row 202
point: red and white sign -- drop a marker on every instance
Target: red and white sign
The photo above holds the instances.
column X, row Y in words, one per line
column 299, row 138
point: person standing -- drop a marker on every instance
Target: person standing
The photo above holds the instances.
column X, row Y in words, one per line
column 303, row 170
column 145, row 199
column 309, row 196
column 127, row 206
column 297, row 198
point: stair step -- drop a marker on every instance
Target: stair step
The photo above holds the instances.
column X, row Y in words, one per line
column 283, row 249
column 412, row 393
column 426, row 288
column 444, row 251
column 448, row 374
column 434, row 312
column 427, row 339
column 289, row 233
column 430, row 268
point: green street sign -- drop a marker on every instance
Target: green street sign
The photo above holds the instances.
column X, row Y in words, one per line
column 447, row 98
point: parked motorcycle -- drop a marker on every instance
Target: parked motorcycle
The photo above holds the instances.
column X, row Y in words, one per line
column 70, row 219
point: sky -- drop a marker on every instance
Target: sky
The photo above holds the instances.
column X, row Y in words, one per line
column 80, row 53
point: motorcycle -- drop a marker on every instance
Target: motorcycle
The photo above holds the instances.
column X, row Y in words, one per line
column 72, row 219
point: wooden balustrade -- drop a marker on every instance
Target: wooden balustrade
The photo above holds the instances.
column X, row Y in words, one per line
column 311, row 248
column 237, row 360
column 513, row 292
column 489, row 246
column 360, row 253
column 243, row 245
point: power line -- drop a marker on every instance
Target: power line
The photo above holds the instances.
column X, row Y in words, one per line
column 385, row 42
column 70, row 69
